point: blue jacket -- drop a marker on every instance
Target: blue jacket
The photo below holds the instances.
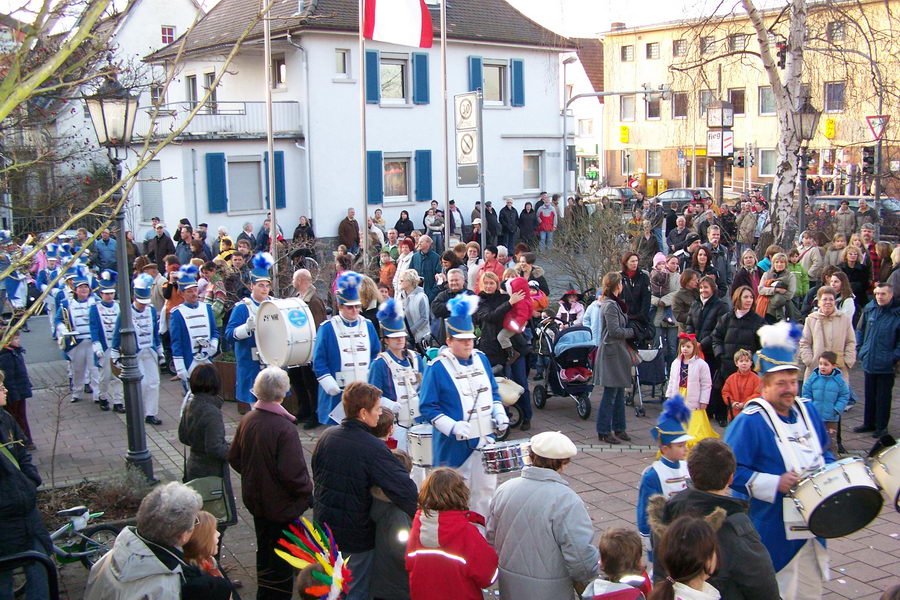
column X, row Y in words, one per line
column 105, row 253
column 878, row 337
column 16, row 380
column 828, row 393
column 427, row 266
column 247, row 368
column 593, row 321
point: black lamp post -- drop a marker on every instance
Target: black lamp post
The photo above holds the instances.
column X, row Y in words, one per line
column 806, row 121
column 112, row 110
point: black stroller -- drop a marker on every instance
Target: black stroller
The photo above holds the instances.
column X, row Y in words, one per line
column 571, row 369
column 650, row 371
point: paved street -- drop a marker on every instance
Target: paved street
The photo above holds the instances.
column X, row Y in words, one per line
column 91, row 445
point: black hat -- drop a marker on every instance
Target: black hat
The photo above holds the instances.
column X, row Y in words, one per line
column 453, row 202
column 691, row 238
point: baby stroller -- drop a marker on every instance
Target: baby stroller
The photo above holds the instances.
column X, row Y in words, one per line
column 650, row 371
column 570, row 372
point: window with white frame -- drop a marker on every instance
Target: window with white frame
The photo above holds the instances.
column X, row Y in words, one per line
column 707, row 44
column 531, row 170
column 208, row 79
column 394, row 79
column 626, row 108
column 245, row 183
column 834, row 96
column 766, row 100
column 705, row 97
column 654, row 162
column 738, row 42
column 679, row 48
column 585, row 127
column 157, row 94
column 836, row 31
column 627, row 53
column 342, row 63
column 397, row 178
column 652, row 103
column 190, row 84
column 653, row 50
column 626, row 164
column 737, row 97
column 279, row 72
column 768, row 163
column 167, row 33
column 150, row 189
column 495, row 87
column 679, row 105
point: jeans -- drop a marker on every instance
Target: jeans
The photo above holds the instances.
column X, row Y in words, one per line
column 546, row 240
column 438, row 239
column 878, row 388
column 518, row 372
column 611, row 414
column 661, row 240
column 360, row 565
column 36, row 586
column 274, row 576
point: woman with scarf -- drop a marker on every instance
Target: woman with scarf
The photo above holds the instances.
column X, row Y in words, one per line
column 615, row 356
column 749, row 274
column 636, row 294
column 701, row 261
column 857, row 272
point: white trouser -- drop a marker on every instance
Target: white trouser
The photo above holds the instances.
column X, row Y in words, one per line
column 481, row 485
column 801, row 579
column 50, row 303
column 83, row 369
column 110, row 385
column 149, row 367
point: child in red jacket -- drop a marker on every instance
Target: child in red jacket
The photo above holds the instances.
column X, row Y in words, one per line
column 446, row 556
column 516, row 319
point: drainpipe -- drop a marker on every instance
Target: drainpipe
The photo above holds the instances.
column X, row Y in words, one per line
column 308, row 159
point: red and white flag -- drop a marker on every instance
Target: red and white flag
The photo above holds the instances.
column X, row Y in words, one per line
column 403, row 22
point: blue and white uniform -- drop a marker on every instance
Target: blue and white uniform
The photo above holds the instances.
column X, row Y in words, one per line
column 245, row 353
column 146, row 328
column 81, row 354
column 195, row 337
column 399, row 380
column 103, row 320
column 44, row 277
column 665, row 477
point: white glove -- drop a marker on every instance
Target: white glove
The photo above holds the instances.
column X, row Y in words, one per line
column 213, row 347
column 115, row 354
column 241, row 332
column 98, row 349
column 251, row 323
column 461, row 430
column 182, row 374
column 330, row 386
column 501, row 419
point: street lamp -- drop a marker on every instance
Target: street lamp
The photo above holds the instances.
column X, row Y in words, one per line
column 719, row 116
column 565, row 137
column 806, row 122
column 112, row 109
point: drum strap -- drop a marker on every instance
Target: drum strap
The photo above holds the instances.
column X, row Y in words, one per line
column 782, row 433
column 473, row 383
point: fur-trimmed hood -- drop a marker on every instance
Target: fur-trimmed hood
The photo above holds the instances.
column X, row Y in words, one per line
column 657, row 515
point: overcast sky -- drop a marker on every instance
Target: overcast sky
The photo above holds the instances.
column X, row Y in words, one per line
column 586, row 18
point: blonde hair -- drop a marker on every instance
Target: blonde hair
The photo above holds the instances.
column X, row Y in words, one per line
column 368, row 292
column 410, row 275
column 509, row 273
column 489, row 275
column 202, row 544
column 779, row 256
column 750, row 253
column 851, row 248
column 742, row 353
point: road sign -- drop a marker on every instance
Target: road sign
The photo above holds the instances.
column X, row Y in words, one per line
column 466, row 105
column 877, row 125
column 468, row 139
column 466, row 148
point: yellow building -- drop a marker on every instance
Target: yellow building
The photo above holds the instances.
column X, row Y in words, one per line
column 702, row 61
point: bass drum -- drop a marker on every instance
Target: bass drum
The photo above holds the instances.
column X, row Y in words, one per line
column 285, row 332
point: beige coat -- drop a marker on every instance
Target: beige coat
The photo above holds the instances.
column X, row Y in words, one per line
column 835, row 333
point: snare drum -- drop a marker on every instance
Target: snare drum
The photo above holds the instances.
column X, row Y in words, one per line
column 419, row 443
column 505, row 457
column 285, row 332
column 886, row 469
column 838, row 499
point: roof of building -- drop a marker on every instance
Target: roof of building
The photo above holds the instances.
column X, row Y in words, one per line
column 590, row 55
column 472, row 20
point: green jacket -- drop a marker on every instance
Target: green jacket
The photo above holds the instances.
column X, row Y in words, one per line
column 802, row 278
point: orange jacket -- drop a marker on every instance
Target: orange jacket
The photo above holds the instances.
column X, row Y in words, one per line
column 740, row 387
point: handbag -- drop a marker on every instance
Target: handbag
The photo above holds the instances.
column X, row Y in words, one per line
column 213, row 491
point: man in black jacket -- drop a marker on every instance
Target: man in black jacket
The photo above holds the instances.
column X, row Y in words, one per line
column 347, row 463
column 745, row 569
column 509, row 224
column 456, row 284
column 492, row 224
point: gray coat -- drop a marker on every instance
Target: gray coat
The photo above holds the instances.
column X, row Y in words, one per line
column 542, row 533
column 202, row 429
column 615, row 362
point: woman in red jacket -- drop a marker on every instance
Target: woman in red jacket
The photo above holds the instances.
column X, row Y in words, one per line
column 447, row 556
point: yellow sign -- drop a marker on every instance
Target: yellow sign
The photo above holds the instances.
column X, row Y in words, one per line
column 623, row 134
column 695, row 152
column 829, row 128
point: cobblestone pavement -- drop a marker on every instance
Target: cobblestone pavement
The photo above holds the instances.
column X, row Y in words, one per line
column 91, row 444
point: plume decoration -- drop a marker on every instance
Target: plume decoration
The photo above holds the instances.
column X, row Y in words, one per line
column 143, row 281
column 389, row 310
column 186, row 271
column 51, row 249
column 107, row 275
column 462, row 305
column 263, row 260
column 675, row 408
column 82, row 272
column 348, row 280
column 307, row 544
column 5, row 233
column 66, row 249
column 783, row 334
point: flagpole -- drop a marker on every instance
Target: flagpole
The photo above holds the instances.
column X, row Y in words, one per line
column 363, row 217
column 444, row 101
column 270, row 150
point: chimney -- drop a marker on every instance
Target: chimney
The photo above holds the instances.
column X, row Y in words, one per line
column 617, row 26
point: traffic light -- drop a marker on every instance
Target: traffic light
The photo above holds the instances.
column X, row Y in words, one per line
column 782, row 53
column 739, row 160
column 868, row 160
column 752, row 158
column 570, row 158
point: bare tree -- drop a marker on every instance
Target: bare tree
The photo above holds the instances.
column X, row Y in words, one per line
column 587, row 248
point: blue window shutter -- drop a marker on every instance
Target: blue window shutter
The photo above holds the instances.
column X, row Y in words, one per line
column 420, row 78
column 373, row 77
column 216, row 178
column 517, row 66
column 279, row 179
column 423, row 176
column 476, row 77
column 374, row 177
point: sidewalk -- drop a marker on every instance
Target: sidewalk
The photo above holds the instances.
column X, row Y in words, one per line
column 91, row 444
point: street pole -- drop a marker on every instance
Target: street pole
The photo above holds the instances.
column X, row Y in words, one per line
column 720, row 180
column 270, row 149
column 804, row 166
column 480, row 130
column 138, row 456
column 877, row 199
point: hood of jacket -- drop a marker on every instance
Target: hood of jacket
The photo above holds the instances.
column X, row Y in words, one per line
column 536, row 271
column 133, row 560
column 713, row 508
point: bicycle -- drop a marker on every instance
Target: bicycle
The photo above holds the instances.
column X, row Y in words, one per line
column 76, row 541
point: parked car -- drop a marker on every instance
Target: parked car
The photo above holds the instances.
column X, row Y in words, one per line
column 682, row 197
column 890, row 211
column 616, row 197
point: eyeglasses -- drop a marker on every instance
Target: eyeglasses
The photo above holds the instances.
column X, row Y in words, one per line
column 196, row 520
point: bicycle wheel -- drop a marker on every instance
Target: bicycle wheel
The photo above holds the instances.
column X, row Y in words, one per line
column 101, row 540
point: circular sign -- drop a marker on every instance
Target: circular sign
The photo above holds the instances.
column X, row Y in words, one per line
column 297, row 318
column 465, row 108
column 467, row 143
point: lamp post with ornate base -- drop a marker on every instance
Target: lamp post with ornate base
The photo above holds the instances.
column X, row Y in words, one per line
column 806, row 121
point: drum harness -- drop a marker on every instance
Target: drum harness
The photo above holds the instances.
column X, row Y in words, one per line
column 468, row 374
column 344, row 333
column 409, row 379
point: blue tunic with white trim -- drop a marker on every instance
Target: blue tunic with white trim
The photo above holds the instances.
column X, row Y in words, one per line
column 247, row 368
column 327, row 360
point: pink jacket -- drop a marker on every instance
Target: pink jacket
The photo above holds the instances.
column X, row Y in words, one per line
column 699, row 382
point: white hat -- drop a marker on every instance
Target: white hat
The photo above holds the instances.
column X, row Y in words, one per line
column 476, row 221
column 553, row 444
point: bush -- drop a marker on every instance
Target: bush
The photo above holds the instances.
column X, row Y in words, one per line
column 588, row 248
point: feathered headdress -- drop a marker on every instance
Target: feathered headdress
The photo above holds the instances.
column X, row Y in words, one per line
column 108, row 279
column 142, row 285
column 186, row 276
column 348, row 288
column 671, row 426
column 390, row 317
column 308, row 543
column 262, row 262
column 81, row 275
column 459, row 323
column 779, row 346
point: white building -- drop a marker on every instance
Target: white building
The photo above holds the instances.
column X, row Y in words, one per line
column 583, row 74
column 215, row 173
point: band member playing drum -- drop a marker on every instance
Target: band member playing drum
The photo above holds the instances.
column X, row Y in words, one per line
column 459, row 396
column 778, row 440
column 192, row 327
column 74, row 329
column 397, row 371
column 103, row 317
column 345, row 346
column 241, row 329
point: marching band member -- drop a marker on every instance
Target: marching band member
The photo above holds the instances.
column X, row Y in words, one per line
column 777, row 439
column 397, row 371
column 73, row 326
column 192, row 327
column 103, row 318
column 241, row 329
column 459, row 396
column 146, row 329
column 45, row 277
column 345, row 345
